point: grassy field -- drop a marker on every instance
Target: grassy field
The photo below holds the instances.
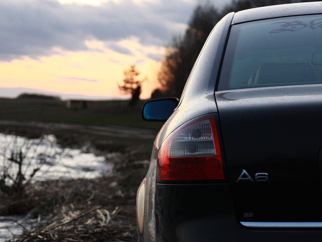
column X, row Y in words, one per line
column 87, row 199
column 114, row 112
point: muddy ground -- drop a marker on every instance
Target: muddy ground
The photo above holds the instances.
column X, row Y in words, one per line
column 101, row 209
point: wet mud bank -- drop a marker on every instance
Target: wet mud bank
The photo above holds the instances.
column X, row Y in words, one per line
column 100, row 208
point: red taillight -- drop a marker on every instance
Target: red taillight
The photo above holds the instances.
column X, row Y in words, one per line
column 192, row 153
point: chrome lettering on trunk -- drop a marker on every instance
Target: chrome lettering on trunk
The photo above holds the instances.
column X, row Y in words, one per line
column 260, row 177
column 244, row 176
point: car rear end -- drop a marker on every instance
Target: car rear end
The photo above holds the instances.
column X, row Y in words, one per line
column 244, row 162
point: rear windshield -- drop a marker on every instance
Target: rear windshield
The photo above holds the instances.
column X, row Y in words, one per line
column 275, row 52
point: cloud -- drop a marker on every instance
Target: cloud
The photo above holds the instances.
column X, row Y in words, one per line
column 120, row 49
column 36, row 28
column 78, row 79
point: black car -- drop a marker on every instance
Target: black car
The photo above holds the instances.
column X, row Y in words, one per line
column 239, row 157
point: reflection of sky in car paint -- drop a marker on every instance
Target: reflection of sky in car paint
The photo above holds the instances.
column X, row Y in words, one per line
column 86, row 40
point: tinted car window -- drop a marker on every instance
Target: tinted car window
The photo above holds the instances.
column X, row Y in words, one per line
column 274, row 52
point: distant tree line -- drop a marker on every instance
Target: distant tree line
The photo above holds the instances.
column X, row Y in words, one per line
column 38, row 97
column 183, row 50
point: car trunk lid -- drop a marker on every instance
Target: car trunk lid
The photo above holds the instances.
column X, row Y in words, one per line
column 272, row 138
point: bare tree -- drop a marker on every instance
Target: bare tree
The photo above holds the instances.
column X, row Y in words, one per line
column 132, row 84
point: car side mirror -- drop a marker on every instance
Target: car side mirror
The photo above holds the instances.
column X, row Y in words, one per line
column 159, row 109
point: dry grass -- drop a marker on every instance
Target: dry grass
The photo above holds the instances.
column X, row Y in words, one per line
column 101, row 209
column 84, row 211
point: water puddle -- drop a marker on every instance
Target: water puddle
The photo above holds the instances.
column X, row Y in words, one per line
column 8, row 227
column 42, row 160
column 52, row 161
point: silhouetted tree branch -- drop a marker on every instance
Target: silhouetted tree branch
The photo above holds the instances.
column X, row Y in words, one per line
column 183, row 51
column 131, row 84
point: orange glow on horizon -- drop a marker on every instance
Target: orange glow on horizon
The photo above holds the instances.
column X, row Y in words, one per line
column 95, row 73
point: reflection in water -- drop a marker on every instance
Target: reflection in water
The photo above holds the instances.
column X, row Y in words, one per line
column 54, row 162
column 8, row 226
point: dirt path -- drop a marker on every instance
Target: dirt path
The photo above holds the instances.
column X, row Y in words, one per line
column 112, row 130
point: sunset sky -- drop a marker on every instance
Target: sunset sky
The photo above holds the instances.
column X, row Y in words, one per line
column 80, row 48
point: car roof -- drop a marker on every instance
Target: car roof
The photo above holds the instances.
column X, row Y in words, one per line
column 276, row 11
